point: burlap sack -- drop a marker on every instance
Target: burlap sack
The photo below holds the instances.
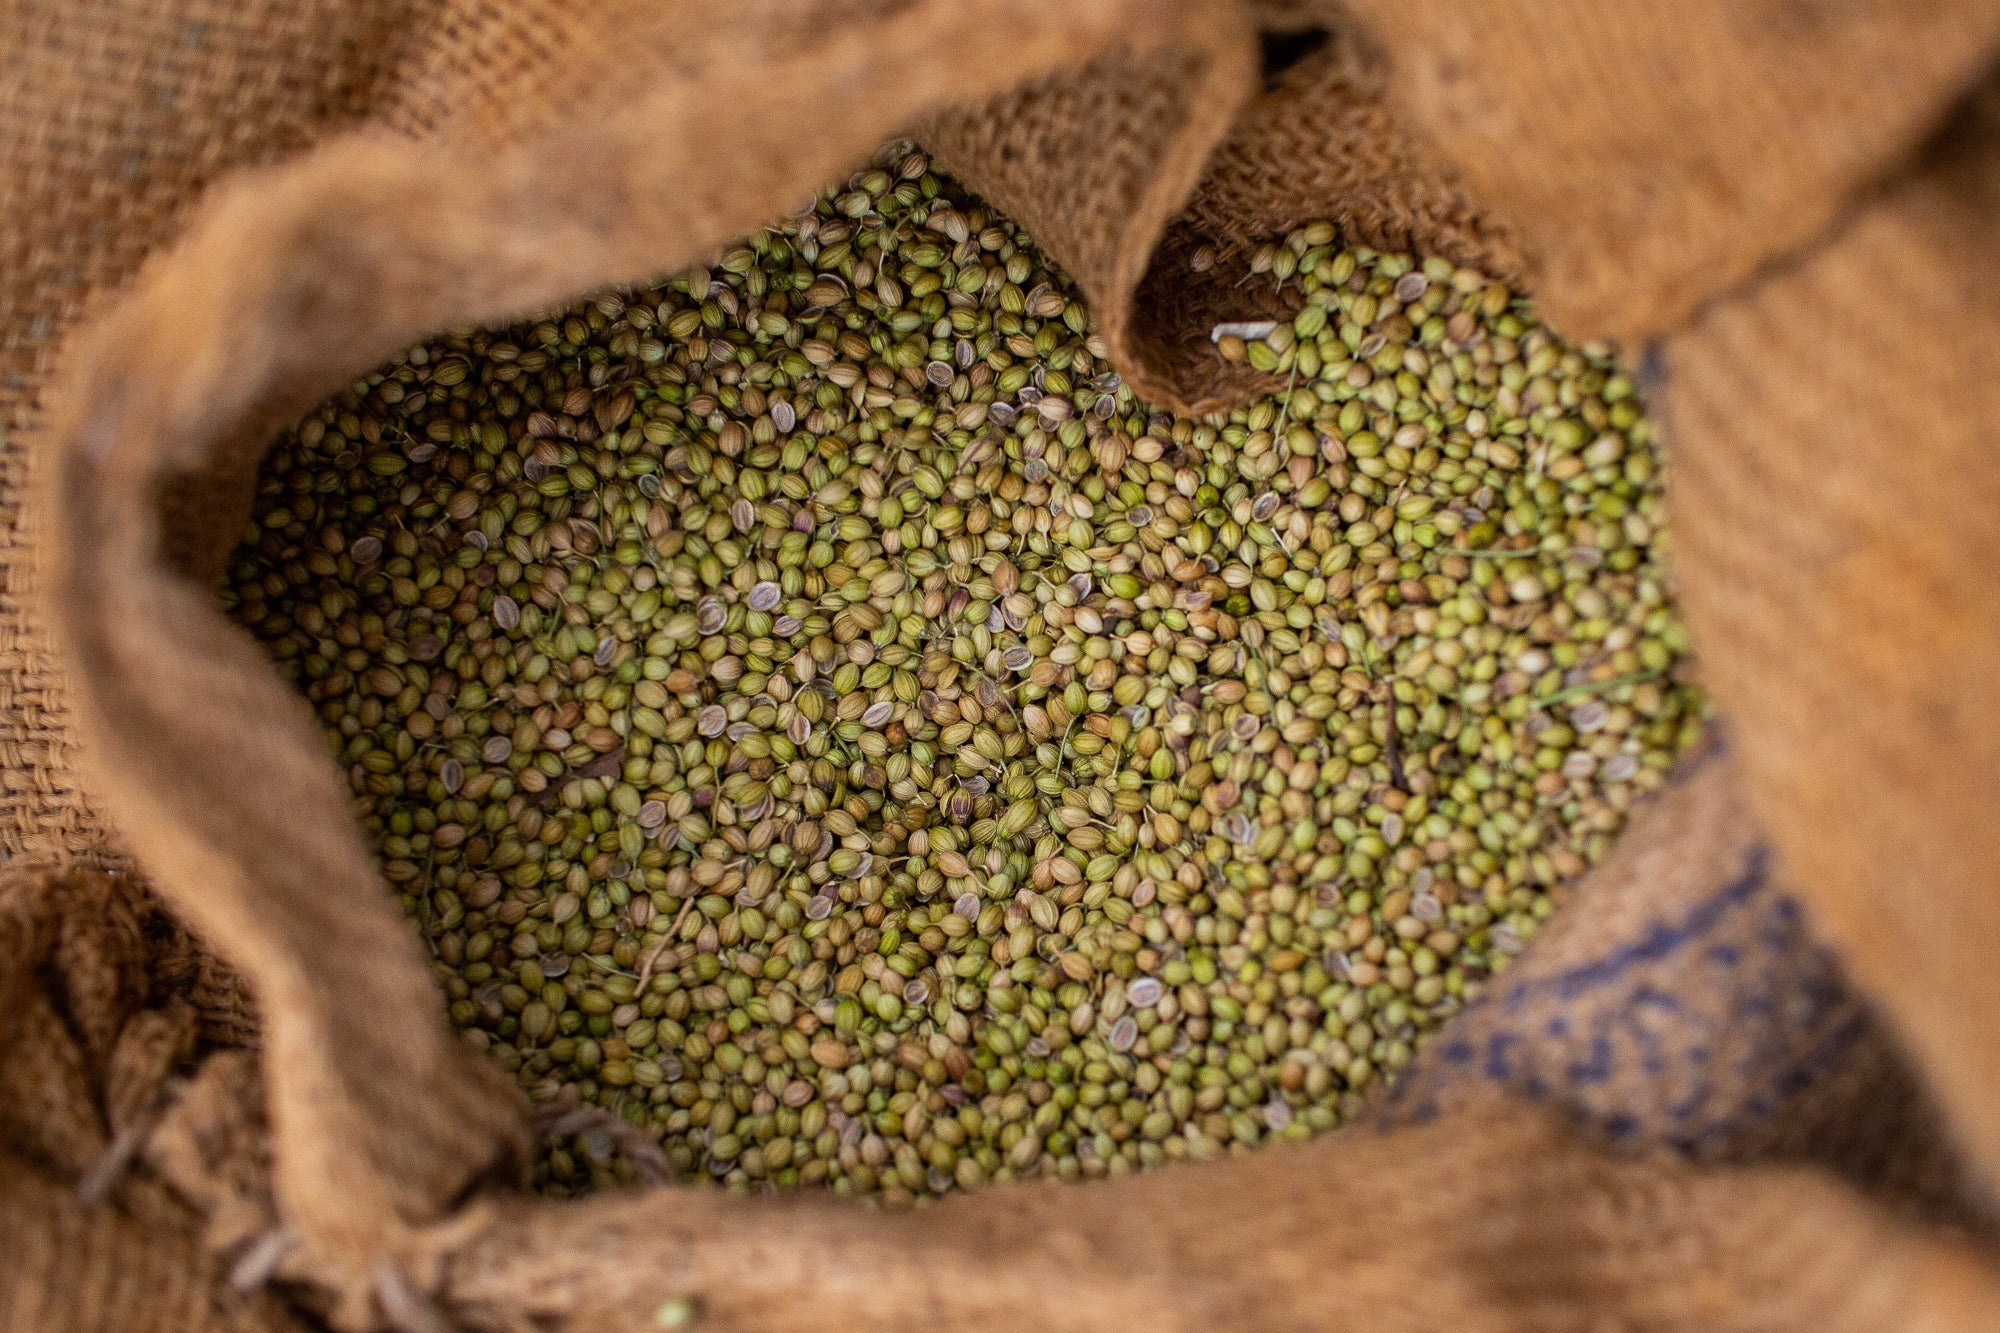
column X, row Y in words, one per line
column 1672, row 1116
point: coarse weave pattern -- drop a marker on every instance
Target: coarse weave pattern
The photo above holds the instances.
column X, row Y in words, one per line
column 115, row 117
column 1672, row 1113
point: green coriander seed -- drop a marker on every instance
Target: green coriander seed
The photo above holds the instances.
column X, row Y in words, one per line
column 829, row 732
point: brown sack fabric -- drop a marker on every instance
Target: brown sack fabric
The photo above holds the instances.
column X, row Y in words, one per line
column 1654, row 157
column 1069, row 155
column 381, row 1119
column 1827, row 421
column 1501, row 1218
column 1835, row 433
column 1671, row 1115
column 90, row 1039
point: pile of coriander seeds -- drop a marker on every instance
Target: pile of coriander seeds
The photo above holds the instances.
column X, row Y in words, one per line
column 829, row 732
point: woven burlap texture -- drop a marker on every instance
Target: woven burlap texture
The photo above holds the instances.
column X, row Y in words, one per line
column 1826, row 407
column 514, row 155
column 1505, row 1216
column 1862, row 567
column 93, row 1033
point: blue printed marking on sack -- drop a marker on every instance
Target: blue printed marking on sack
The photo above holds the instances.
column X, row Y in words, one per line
column 1633, row 1049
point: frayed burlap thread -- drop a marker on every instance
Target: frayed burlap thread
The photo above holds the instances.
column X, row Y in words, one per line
column 91, row 1044
column 381, row 1120
column 1648, row 166
column 1493, row 1218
